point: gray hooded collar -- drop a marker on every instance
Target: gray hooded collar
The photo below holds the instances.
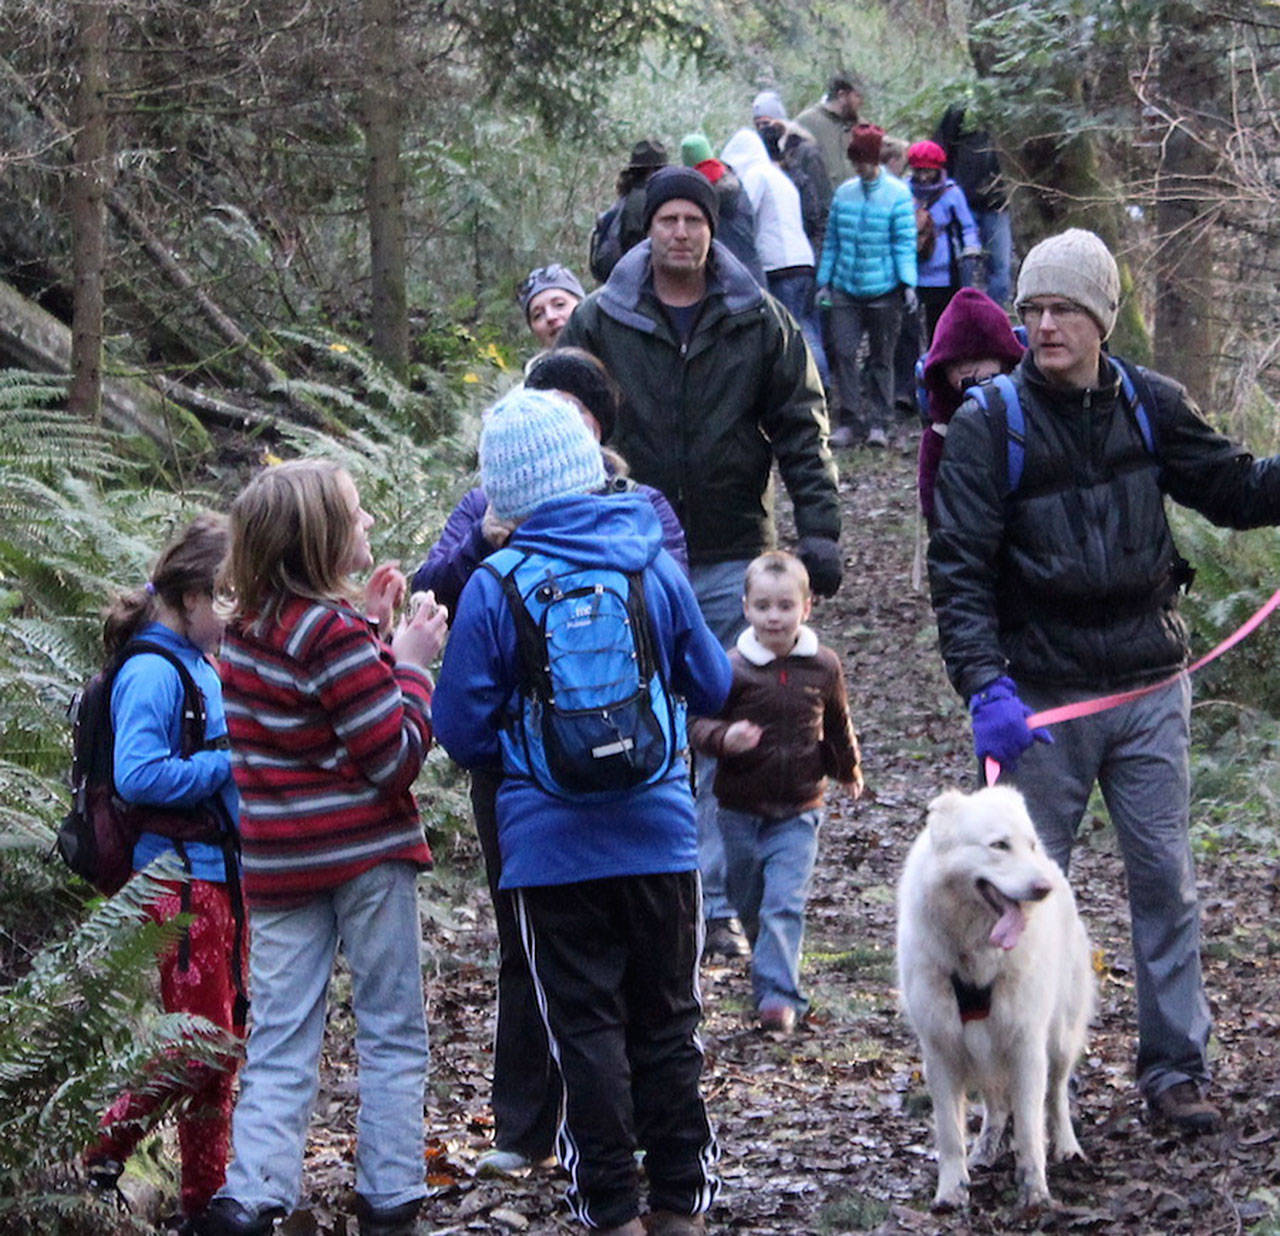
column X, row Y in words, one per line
column 623, row 294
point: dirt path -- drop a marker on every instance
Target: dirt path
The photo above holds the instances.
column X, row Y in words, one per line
column 829, row 1131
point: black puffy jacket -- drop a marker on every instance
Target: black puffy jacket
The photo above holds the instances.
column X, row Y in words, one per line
column 1072, row 580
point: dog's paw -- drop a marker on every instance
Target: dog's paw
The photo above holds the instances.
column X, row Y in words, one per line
column 1069, row 1152
column 947, row 1200
column 1033, row 1196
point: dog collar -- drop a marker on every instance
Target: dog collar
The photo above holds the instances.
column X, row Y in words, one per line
column 974, row 1001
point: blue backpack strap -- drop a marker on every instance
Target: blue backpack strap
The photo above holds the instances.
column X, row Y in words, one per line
column 1009, row 410
column 922, row 392
column 1129, row 379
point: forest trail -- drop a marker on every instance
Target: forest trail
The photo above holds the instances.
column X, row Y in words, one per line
column 829, row 1131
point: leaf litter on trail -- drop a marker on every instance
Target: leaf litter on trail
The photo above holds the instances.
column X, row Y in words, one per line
column 829, row 1131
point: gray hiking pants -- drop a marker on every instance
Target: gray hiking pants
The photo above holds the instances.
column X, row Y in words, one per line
column 1138, row 755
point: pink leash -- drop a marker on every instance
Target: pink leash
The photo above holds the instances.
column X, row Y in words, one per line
column 1086, row 708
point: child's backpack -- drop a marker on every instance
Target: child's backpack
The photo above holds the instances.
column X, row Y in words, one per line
column 98, row 834
column 606, row 242
column 594, row 717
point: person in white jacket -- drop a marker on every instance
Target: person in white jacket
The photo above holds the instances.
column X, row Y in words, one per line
column 784, row 249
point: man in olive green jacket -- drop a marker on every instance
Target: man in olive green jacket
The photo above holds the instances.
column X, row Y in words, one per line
column 717, row 384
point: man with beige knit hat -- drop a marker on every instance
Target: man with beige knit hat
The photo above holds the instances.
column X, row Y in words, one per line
column 1057, row 580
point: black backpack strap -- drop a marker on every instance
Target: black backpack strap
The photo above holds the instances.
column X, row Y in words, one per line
column 535, row 674
column 191, row 730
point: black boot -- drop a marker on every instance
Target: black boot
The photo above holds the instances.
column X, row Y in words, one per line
column 399, row 1220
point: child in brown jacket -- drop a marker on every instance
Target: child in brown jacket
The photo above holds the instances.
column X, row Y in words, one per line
column 783, row 731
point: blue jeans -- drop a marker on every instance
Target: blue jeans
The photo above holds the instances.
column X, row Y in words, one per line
column 795, row 292
column 718, row 587
column 291, row 954
column 1138, row 755
column 996, row 233
column 769, row 865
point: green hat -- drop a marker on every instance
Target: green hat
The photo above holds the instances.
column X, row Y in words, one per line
column 695, row 149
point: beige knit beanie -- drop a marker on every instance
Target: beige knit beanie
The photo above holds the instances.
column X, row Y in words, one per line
column 1077, row 266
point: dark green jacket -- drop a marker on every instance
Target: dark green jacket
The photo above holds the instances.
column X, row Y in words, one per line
column 704, row 423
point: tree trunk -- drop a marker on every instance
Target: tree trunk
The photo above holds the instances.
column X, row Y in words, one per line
column 384, row 185
column 86, row 195
column 1190, row 86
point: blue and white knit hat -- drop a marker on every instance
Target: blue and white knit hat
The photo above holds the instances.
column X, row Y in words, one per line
column 535, row 446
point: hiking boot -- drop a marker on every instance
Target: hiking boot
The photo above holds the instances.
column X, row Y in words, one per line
column 224, row 1216
column 668, row 1223
column 399, row 1220
column 842, row 436
column 877, row 437
column 777, row 1015
column 725, row 938
column 104, row 1175
column 1184, row 1107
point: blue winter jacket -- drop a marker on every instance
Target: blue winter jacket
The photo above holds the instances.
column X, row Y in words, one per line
column 462, row 545
column 546, row 840
column 146, row 713
column 870, row 245
column 951, row 215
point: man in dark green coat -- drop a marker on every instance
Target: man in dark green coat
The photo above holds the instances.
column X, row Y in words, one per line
column 718, row 384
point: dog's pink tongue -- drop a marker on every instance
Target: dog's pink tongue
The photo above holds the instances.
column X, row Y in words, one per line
column 1008, row 929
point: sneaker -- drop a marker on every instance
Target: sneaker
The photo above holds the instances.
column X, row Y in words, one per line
column 104, row 1175
column 668, row 1223
column 842, row 436
column 224, row 1216
column 1184, row 1107
column 497, row 1162
column 725, row 938
column 877, row 437
column 399, row 1220
column 777, row 1015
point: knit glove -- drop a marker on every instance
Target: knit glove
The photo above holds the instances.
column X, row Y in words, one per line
column 824, row 562
column 1000, row 724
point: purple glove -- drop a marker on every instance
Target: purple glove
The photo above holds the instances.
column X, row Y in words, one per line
column 1000, row 724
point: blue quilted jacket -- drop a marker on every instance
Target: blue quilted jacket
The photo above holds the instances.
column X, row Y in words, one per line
column 870, row 246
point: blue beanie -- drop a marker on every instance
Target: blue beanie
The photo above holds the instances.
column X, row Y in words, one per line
column 535, row 446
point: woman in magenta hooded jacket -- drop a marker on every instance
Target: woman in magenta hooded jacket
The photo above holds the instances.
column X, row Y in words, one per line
column 973, row 341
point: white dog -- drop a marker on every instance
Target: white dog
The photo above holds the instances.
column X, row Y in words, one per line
column 995, row 977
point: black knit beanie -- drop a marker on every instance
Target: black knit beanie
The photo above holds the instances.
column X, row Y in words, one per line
column 680, row 182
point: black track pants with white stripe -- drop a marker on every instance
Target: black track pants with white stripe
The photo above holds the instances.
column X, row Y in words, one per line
column 615, row 964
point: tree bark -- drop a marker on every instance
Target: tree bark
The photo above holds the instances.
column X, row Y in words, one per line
column 1186, row 346
column 383, row 121
column 86, row 196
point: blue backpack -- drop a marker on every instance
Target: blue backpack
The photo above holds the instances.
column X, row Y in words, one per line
column 1009, row 407
column 594, row 718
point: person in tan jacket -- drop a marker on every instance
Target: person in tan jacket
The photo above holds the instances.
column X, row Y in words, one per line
column 784, row 729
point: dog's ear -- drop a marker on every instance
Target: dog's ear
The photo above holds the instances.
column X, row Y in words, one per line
column 944, row 813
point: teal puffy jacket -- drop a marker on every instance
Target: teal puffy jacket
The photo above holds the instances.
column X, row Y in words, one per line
column 870, row 245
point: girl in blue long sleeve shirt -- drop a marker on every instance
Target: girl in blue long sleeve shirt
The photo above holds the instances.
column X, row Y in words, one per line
column 174, row 610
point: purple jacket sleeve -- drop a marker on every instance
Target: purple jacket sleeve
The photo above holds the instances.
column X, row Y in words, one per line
column 460, row 549
column 672, row 533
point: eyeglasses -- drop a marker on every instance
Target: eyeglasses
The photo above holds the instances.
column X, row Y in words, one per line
column 1060, row 310
column 541, row 274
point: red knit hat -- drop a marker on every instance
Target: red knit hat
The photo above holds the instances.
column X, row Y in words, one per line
column 864, row 143
column 926, row 154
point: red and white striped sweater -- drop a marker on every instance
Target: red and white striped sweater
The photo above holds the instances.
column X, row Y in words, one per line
column 327, row 735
